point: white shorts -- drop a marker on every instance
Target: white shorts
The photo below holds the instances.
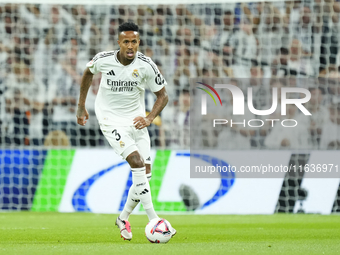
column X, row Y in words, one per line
column 125, row 140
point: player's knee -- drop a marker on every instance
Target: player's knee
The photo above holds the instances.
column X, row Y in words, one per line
column 135, row 160
column 137, row 164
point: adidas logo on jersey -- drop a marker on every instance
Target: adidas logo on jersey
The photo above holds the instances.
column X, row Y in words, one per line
column 111, row 73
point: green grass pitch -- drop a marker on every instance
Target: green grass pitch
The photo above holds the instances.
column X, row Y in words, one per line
column 87, row 233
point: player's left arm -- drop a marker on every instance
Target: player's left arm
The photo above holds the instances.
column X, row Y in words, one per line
column 161, row 102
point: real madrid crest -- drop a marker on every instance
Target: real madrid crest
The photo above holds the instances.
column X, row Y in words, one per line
column 122, row 144
column 135, row 73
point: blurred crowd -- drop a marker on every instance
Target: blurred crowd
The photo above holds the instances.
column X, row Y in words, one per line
column 44, row 49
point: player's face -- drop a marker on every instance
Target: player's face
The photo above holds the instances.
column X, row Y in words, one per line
column 128, row 42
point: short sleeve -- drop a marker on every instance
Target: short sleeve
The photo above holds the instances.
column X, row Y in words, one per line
column 154, row 78
column 94, row 64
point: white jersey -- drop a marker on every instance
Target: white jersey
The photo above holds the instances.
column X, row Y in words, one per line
column 120, row 98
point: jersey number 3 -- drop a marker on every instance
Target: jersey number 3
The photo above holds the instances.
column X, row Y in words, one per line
column 116, row 134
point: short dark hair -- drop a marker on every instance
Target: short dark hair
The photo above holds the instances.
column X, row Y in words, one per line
column 186, row 90
column 128, row 26
column 284, row 51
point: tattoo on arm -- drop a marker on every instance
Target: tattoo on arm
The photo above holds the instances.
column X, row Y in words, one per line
column 162, row 100
column 86, row 82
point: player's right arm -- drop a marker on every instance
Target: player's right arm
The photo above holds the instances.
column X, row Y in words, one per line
column 86, row 81
column 92, row 68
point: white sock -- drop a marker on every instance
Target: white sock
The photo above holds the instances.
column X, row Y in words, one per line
column 148, row 176
column 142, row 188
column 131, row 201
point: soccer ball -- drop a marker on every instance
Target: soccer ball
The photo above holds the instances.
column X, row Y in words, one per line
column 158, row 231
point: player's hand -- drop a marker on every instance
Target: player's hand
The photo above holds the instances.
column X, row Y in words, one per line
column 141, row 122
column 82, row 115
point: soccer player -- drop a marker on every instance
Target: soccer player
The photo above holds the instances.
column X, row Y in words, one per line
column 120, row 112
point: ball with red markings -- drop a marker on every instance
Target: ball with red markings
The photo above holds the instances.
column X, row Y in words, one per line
column 158, row 231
